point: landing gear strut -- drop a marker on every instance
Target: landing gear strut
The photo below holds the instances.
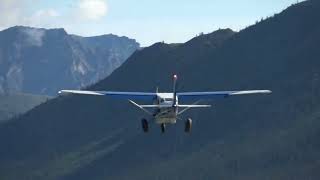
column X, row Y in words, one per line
column 188, row 125
column 145, row 125
column 163, row 128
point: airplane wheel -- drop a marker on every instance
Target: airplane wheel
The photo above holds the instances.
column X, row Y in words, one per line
column 145, row 125
column 188, row 125
column 163, row 128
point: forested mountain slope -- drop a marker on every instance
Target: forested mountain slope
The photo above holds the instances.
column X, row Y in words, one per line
column 253, row 137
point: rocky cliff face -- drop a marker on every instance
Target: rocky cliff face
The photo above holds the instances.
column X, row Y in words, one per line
column 42, row 61
column 242, row 138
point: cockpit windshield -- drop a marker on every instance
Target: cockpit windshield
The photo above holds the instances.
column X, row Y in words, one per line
column 166, row 99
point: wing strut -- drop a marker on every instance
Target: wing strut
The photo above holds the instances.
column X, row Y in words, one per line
column 140, row 107
column 187, row 107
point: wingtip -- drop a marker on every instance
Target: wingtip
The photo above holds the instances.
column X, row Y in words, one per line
column 62, row 92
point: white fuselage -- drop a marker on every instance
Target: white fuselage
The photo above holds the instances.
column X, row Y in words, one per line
column 167, row 112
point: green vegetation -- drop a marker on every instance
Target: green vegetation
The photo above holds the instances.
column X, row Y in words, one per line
column 249, row 138
column 12, row 105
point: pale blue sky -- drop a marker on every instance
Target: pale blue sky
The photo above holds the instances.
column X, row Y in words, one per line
column 147, row 21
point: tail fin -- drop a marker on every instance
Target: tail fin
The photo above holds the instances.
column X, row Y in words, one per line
column 175, row 78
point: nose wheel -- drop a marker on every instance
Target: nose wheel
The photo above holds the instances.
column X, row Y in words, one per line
column 188, row 125
column 145, row 125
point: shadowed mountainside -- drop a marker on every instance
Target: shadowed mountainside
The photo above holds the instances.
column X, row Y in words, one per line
column 16, row 104
column 252, row 137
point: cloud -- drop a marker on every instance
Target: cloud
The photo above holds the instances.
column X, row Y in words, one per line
column 12, row 12
column 46, row 18
column 34, row 36
column 23, row 12
column 91, row 9
column 46, row 13
column 19, row 12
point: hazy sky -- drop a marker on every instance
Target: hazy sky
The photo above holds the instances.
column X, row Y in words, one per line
column 147, row 21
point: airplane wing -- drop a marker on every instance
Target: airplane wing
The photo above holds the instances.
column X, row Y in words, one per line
column 123, row 95
column 217, row 94
column 152, row 96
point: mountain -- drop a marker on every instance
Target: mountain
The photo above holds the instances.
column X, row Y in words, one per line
column 16, row 104
column 252, row 137
column 43, row 61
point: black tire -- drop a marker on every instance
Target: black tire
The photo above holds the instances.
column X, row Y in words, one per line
column 188, row 125
column 145, row 125
column 163, row 128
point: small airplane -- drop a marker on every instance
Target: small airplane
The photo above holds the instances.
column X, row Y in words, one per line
column 166, row 107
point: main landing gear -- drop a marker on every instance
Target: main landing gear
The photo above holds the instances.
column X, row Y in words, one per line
column 163, row 128
column 145, row 125
column 188, row 125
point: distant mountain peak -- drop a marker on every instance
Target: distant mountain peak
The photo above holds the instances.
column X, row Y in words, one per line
column 273, row 137
column 42, row 61
column 34, row 28
column 215, row 37
column 159, row 44
column 226, row 30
